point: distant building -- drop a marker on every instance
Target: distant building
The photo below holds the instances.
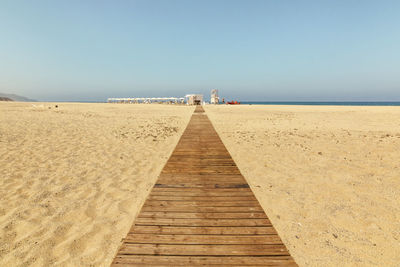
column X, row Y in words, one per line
column 214, row 96
column 194, row 99
column 147, row 100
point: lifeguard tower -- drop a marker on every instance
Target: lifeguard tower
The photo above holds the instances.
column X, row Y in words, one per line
column 214, row 96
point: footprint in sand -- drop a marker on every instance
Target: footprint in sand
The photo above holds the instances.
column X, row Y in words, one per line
column 91, row 211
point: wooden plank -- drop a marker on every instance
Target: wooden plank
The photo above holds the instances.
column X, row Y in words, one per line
column 209, row 194
column 202, row 239
column 216, row 175
column 183, row 162
column 201, row 170
column 217, row 192
column 156, row 203
column 202, row 222
column 200, row 209
column 135, row 260
column 202, row 185
column 200, row 181
column 189, row 250
column 204, row 215
column 201, row 198
column 266, row 230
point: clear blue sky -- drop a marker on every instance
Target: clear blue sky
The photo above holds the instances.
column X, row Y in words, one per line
column 249, row 50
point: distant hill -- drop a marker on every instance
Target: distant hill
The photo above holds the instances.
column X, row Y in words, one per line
column 13, row 97
column 5, row 99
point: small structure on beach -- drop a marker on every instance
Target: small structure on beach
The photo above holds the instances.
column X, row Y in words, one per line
column 214, row 96
column 194, row 99
column 147, row 100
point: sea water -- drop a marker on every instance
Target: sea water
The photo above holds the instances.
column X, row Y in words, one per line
column 316, row 103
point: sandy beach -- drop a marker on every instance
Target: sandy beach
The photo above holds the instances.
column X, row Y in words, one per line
column 74, row 177
column 327, row 177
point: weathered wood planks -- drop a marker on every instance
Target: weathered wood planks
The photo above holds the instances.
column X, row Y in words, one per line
column 201, row 211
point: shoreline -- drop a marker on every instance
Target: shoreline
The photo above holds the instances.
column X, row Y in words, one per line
column 248, row 103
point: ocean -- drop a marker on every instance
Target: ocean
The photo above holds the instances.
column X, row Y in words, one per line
column 316, row 103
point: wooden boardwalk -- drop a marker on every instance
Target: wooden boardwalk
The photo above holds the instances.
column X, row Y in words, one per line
column 201, row 211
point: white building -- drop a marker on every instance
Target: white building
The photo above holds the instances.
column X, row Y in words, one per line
column 194, row 99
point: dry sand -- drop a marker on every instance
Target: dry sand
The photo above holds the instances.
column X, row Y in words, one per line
column 72, row 179
column 328, row 177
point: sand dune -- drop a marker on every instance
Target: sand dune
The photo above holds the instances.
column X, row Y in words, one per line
column 73, row 178
column 328, row 177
